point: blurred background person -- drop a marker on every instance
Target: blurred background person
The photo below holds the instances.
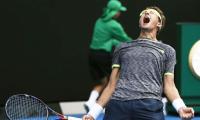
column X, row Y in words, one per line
column 107, row 34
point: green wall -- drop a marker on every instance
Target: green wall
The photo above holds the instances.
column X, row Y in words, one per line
column 189, row 34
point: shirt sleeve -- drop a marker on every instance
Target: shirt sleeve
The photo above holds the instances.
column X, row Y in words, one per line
column 170, row 62
column 116, row 58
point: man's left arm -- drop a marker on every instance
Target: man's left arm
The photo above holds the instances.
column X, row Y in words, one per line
column 172, row 94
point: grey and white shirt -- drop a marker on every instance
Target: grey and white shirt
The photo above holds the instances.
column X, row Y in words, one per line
column 143, row 64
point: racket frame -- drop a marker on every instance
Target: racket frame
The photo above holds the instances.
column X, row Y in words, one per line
column 48, row 109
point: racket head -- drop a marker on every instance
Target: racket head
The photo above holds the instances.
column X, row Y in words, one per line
column 25, row 107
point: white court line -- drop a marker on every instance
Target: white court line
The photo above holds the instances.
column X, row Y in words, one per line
column 72, row 107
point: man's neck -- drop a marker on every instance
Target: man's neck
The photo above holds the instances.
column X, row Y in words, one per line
column 151, row 35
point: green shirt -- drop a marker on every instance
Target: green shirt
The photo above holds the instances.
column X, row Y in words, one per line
column 107, row 34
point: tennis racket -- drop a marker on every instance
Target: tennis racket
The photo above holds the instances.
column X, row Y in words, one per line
column 28, row 107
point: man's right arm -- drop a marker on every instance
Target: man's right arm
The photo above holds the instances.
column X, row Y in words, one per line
column 108, row 91
column 105, row 96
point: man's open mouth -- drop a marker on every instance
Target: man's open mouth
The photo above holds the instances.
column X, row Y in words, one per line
column 146, row 19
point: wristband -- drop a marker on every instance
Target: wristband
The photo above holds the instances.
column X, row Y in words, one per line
column 95, row 110
column 178, row 103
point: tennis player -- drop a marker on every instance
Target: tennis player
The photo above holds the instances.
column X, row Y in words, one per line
column 141, row 71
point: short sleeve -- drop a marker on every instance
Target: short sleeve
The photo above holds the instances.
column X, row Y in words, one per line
column 170, row 61
column 116, row 58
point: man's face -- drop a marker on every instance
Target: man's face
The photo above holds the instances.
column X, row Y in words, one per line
column 149, row 19
column 117, row 15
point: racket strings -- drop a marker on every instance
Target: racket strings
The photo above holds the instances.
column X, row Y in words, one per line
column 25, row 107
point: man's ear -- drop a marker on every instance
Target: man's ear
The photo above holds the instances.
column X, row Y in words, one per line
column 159, row 25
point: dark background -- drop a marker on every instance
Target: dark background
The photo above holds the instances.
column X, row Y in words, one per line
column 44, row 43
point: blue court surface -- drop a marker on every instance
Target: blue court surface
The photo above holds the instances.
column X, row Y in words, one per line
column 168, row 117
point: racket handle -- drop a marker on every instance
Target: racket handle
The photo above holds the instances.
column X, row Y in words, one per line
column 62, row 117
column 68, row 118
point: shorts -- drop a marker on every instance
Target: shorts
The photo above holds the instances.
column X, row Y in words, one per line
column 99, row 64
column 141, row 109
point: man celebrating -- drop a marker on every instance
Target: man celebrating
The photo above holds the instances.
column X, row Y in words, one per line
column 141, row 71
